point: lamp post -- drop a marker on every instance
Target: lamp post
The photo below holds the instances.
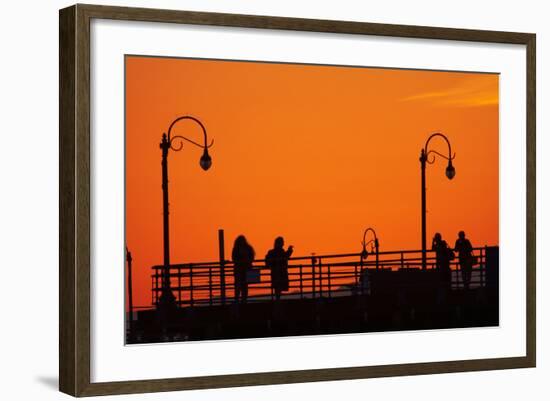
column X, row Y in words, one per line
column 365, row 253
column 449, row 172
column 167, row 299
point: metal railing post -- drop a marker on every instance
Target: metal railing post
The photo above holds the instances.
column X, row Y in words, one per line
column 210, row 284
column 320, row 278
column 301, row 284
column 482, row 266
column 221, row 244
column 313, row 284
column 457, row 275
column 191, row 285
column 156, row 286
column 329, row 282
column 179, row 285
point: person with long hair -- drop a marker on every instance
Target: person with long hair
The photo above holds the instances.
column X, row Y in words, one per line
column 243, row 256
column 443, row 256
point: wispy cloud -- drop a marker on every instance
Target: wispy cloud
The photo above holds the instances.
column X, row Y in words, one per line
column 470, row 93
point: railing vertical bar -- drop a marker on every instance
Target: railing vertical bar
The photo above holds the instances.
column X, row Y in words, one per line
column 313, row 281
column 481, row 269
column 485, row 265
column 156, row 286
column 458, row 275
column 364, row 276
column 179, row 285
column 301, row 283
column 320, row 278
column 221, row 248
column 210, row 284
column 329, row 282
column 191, row 285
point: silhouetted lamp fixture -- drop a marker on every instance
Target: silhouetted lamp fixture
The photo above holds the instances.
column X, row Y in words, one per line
column 449, row 172
column 206, row 160
column 364, row 252
column 175, row 143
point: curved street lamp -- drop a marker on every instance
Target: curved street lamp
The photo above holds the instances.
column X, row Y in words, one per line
column 449, row 172
column 175, row 143
column 364, row 252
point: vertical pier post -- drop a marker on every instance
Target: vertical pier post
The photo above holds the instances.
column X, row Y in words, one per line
column 313, row 260
column 221, row 242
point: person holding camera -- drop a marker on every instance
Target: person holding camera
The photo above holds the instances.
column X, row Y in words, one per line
column 277, row 261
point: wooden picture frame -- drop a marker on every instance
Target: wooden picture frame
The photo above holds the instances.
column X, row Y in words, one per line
column 74, row 204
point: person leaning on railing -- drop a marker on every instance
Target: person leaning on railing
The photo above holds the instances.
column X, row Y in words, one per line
column 277, row 261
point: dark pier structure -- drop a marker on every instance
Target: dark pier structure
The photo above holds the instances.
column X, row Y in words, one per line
column 328, row 294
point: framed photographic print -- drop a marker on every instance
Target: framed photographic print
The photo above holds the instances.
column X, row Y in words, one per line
column 235, row 189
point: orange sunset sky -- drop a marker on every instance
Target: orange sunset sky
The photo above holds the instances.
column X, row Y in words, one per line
column 313, row 153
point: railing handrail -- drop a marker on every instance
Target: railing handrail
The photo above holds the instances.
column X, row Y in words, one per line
column 201, row 283
column 317, row 257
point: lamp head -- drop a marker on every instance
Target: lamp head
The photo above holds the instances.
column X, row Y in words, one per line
column 206, row 160
column 450, row 171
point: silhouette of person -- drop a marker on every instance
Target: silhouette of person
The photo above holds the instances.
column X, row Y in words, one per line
column 277, row 261
column 443, row 255
column 242, row 255
column 465, row 259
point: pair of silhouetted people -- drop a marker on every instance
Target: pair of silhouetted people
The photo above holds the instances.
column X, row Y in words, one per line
column 276, row 260
column 444, row 255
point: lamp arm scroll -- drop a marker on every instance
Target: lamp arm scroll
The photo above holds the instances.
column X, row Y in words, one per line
column 365, row 236
column 428, row 152
column 182, row 138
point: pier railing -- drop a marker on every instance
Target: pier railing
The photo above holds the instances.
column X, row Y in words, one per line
column 314, row 276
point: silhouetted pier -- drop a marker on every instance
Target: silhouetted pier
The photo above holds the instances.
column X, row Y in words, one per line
column 328, row 294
